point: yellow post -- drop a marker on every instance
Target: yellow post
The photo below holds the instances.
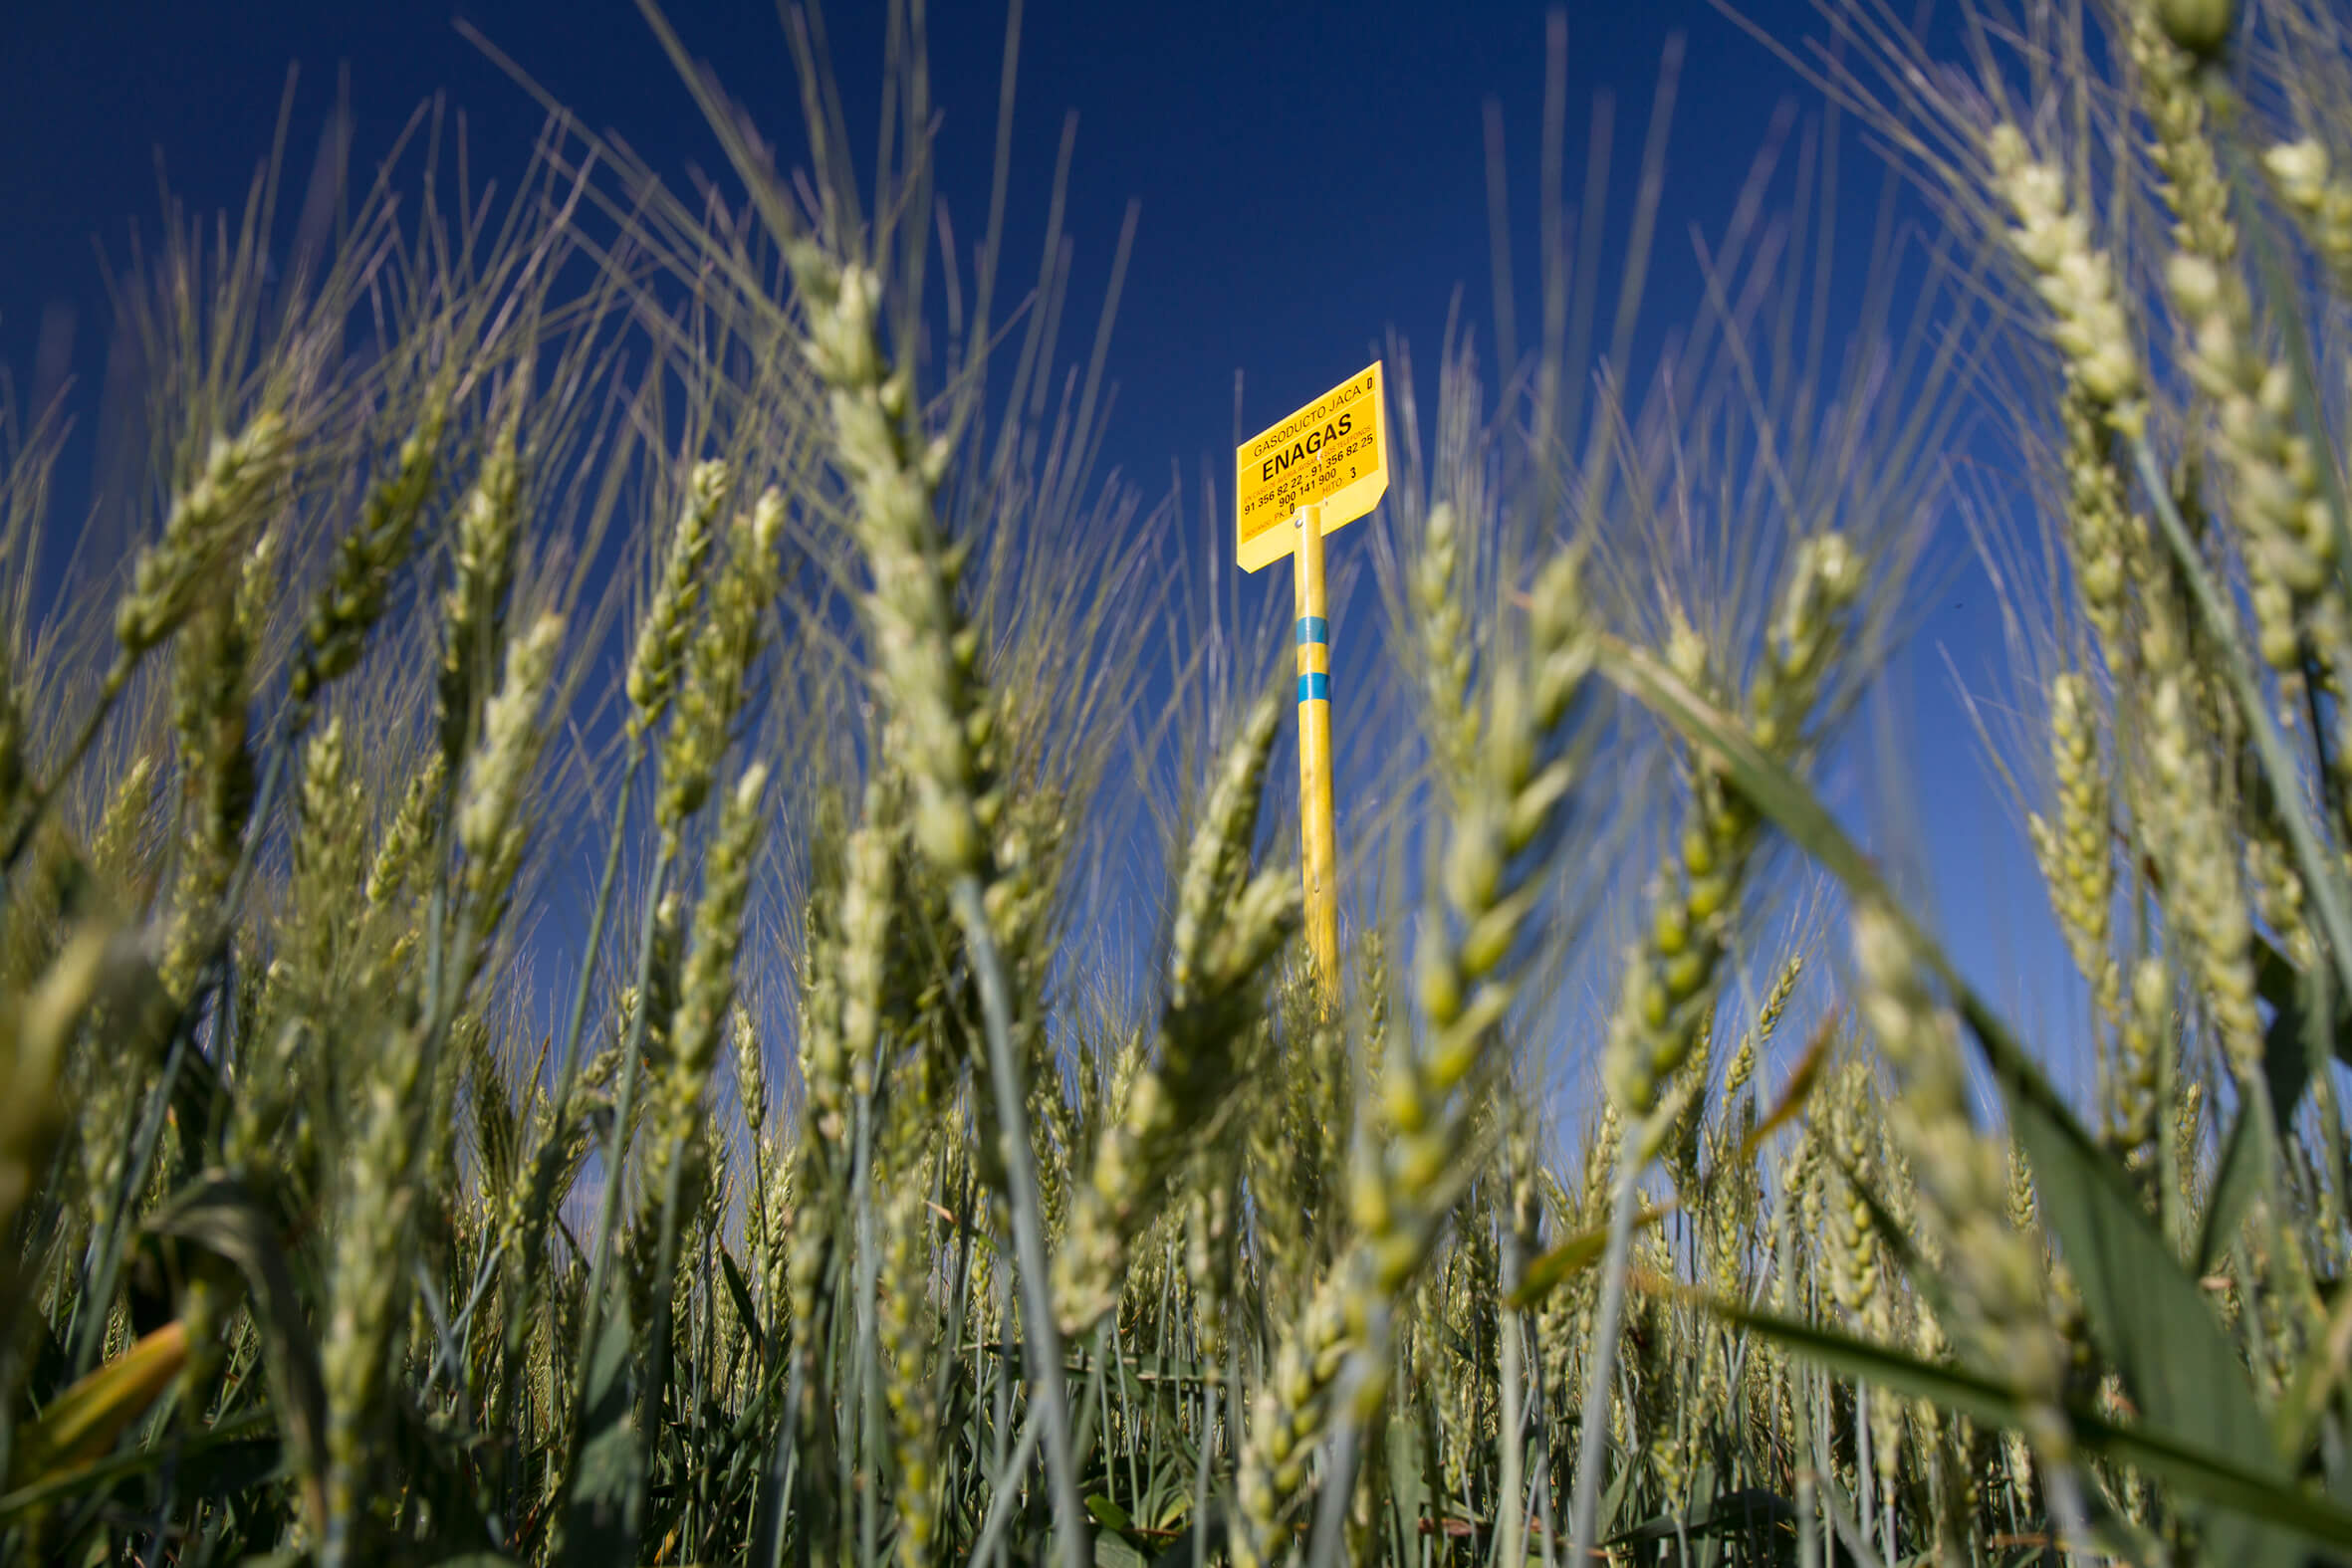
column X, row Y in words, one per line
column 1319, row 839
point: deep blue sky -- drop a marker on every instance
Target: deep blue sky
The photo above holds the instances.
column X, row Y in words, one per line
column 1308, row 177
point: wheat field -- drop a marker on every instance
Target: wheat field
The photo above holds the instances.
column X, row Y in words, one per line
column 624, row 939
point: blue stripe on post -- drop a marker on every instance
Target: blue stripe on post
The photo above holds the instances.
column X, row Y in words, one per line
column 1313, row 628
column 1315, row 688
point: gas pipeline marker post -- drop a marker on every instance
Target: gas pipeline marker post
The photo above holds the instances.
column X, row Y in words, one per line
column 1302, row 477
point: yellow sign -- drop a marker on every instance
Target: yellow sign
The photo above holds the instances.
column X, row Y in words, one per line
column 1332, row 452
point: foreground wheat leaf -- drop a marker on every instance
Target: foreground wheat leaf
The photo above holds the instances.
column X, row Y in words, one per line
column 200, row 1459
column 83, row 1422
column 2195, row 1469
column 2243, row 1173
column 2146, row 1310
column 607, row 1496
column 2305, row 1028
column 2315, row 1383
column 2147, row 1313
column 2322, row 872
